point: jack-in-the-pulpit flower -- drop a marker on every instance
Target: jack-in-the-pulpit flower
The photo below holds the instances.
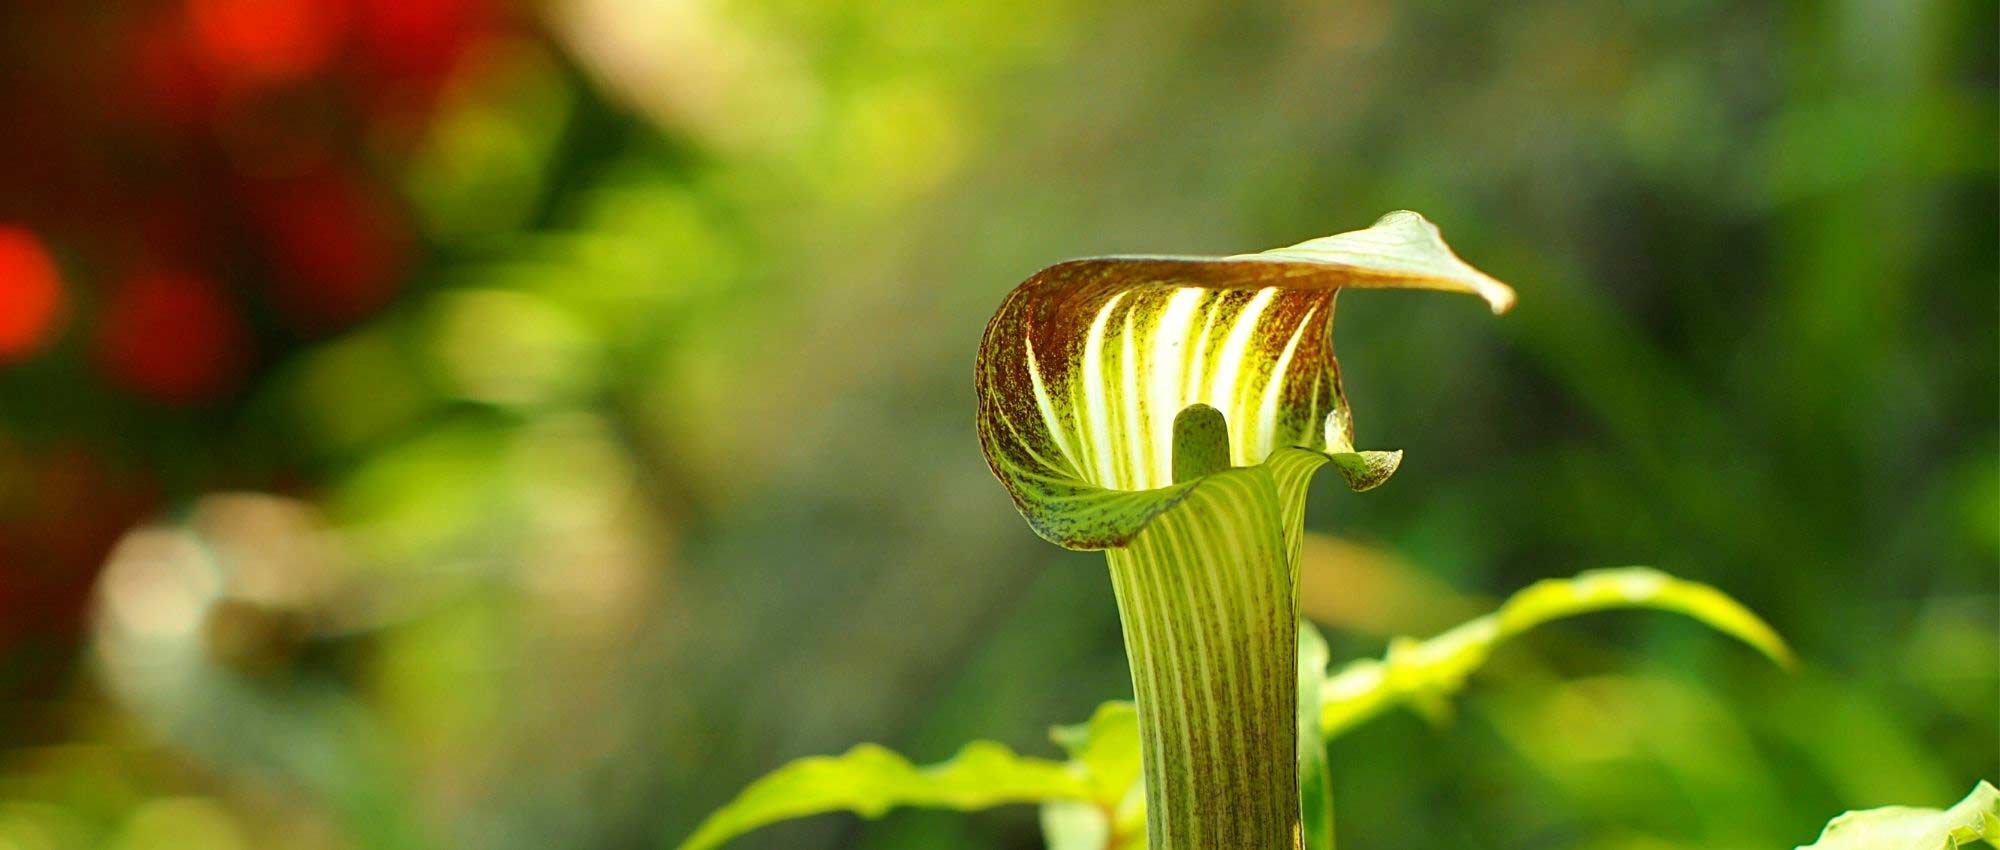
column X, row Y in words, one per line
column 1171, row 411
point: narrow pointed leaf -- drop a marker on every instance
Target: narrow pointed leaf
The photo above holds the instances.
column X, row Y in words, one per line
column 1424, row 674
column 1974, row 821
column 1105, row 751
column 1640, row 587
column 1074, row 825
column 1315, row 777
column 1086, row 365
column 1106, row 748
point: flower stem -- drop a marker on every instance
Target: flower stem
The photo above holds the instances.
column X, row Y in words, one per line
column 1207, row 598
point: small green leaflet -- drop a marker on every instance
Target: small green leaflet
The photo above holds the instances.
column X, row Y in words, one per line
column 1974, row 821
column 869, row 780
column 1093, row 800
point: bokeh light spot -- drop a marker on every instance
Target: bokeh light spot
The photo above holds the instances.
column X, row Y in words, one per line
column 172, row 337
column 339, row 243
column 31, row 296
column 256, row 42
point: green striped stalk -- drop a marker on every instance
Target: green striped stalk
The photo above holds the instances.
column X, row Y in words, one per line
column 1205, row 595
column 1171, row 411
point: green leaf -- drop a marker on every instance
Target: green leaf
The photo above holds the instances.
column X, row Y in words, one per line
column 1424, row 674
column 1105, row 750
column 1315, row 779
column 1074, row 825
column 1086, row 365
column 1974, row 820
column 1639, row 587
column 869, row 780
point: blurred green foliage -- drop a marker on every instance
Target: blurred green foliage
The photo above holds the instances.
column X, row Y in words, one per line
column 660, row 471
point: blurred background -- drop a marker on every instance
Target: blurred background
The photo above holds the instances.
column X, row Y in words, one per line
column 479, row 423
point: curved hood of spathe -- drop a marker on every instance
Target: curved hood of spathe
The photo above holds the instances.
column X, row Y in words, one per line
column 1086, row 364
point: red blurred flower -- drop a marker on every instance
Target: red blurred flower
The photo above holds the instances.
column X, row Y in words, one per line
column 172, row 337
column 339, row 244
column 167, row 78
column 31, row 296
column 263, row 42
column 406, row 52
column 421, row 39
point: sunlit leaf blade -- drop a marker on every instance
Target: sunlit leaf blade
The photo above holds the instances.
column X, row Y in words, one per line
column 1105, row 751
column 1975, row 820
column 1106, row 748
column 869, row 780
column 1424, row 674
column 1085, row 366
column 1639, row 587
column 1074, row 825
column 1315, row 780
